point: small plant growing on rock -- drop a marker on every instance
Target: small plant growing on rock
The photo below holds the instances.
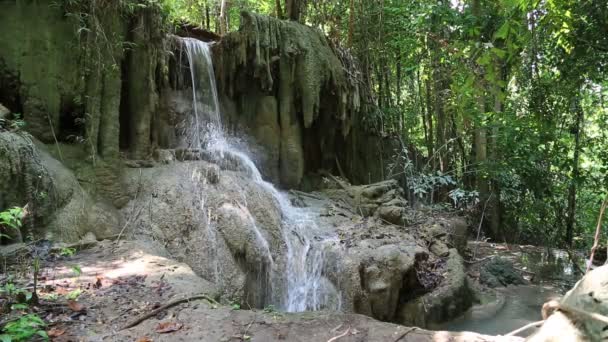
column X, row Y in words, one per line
column 11, row 218
column 17, row 123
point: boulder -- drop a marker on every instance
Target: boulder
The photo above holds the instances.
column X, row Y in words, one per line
column 59, row 208
column 452, row 297
column 4, row 112
column 570, row 319
column 500, row 272
column 220, row 222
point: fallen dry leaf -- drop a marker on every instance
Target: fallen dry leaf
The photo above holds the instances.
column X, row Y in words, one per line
column 144, row 339
column 98, row 283
column 54, row 332
column 167, row 327
column 75, row 306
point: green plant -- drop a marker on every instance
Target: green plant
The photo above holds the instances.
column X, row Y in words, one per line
column 17, row 123
column 77, row 270
column 23, row 329
column 51, row 297
column 11, row 218
column 67, row 251
column 73, row 295
column 235, row 306
column 270, row 309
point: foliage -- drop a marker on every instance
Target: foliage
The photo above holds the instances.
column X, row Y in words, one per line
column 11, row 218
column 74, row 294
column 67, row 251
column 23, row 329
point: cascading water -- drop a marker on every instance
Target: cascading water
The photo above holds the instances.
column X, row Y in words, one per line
column 305, row 287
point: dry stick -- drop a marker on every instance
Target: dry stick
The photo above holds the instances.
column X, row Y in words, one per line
column 597, row 233
column 136, row 217
column 405, row 333
column 525, row 327
column 166, row 306
column 483, row 214
column 335, row 338
column 479, row 260
column 553, row 305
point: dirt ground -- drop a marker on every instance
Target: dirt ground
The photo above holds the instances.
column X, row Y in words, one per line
column 112, row 284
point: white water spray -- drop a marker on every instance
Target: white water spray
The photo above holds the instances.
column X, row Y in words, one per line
column 305, row 286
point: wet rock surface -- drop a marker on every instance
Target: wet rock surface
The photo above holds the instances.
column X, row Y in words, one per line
column 228, row 229
column 500, row 272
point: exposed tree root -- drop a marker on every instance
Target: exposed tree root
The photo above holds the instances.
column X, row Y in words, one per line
column 165, row 307
column 335, row 338
column 405, row 333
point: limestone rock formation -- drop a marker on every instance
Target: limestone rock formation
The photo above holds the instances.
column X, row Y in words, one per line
column 224, row 226
column 58, row 207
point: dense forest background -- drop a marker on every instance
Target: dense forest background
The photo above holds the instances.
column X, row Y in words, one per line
column 499, row 105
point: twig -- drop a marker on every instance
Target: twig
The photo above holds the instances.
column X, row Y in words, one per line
column 405, row 333
column 597, row 233
column 483, row 214
column 474, row 261
column 335, row 338
column 165, row 307
column 129, row 221
column 524, row 328
column 305, row 194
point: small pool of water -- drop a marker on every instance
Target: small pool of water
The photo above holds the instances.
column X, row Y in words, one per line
column 511, row 308
column 550, row 273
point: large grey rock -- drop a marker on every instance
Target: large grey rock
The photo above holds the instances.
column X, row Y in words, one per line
column 4, row 112
column 59, row 208
column 452, row 297
column 589, row 296
column 221, row 223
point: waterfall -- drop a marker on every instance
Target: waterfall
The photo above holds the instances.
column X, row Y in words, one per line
column 304, row 285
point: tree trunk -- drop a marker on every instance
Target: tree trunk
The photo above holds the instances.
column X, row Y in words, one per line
column 351, row 23
column 571, row 219
column 292, row 9
column 208, row 17
column 223, row 22
column 278, row 9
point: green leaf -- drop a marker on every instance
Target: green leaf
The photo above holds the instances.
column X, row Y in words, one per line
column 503, row 31
column 19, row 307
column 500, row 53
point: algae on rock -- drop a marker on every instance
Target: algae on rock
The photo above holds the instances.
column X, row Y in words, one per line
column 296, row 65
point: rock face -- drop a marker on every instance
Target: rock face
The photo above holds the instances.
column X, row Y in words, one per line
column 280, row 81
column 220, row 223
column 54, row 198
column 285, row 84
column 60, row 68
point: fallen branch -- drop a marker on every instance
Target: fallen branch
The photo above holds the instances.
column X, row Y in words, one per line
column 479, row 260
column 525, row 327
column 305, row 194
column 405, row 333
column 166, row 306
column 335, row 338
column 483, row 215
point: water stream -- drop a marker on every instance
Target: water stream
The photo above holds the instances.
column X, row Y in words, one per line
column 550, row 274
column 304, row 286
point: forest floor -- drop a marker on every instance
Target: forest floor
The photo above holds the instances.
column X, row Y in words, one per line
column 95, row 293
